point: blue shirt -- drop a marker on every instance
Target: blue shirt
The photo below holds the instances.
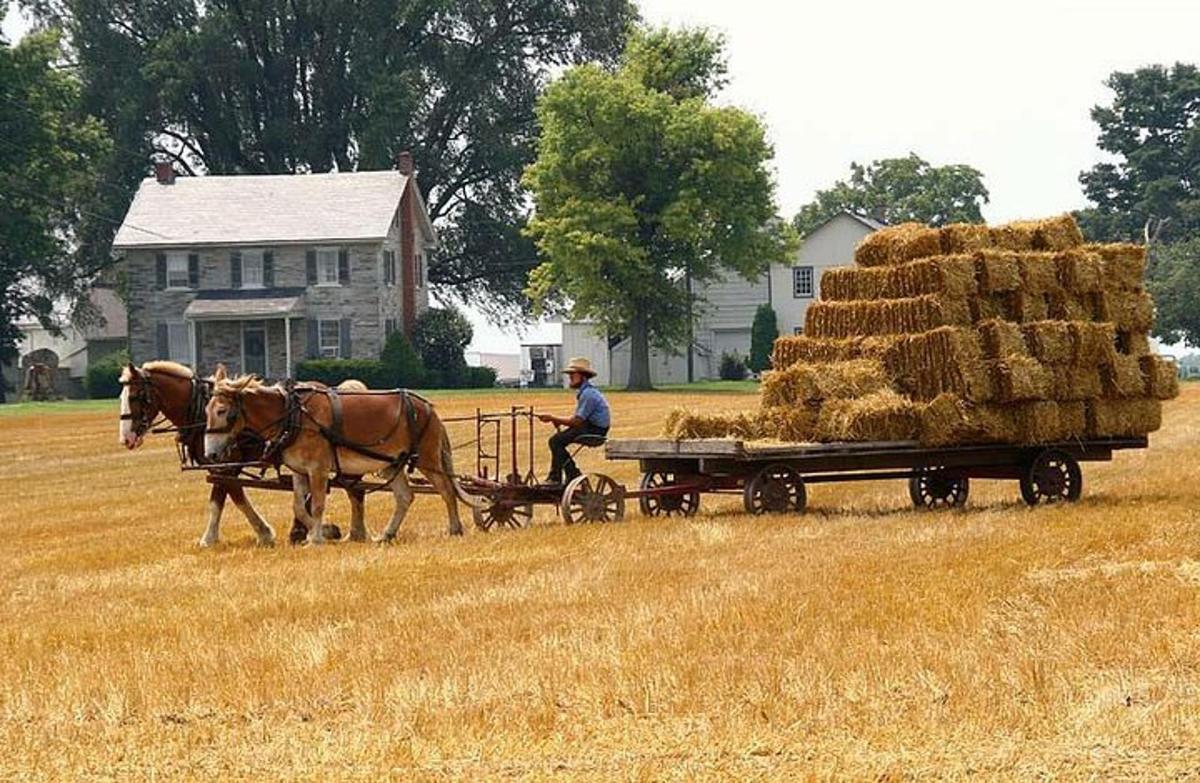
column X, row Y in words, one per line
column 592, row 407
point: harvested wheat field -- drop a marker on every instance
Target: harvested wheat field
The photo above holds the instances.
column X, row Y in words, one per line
column 862, row 639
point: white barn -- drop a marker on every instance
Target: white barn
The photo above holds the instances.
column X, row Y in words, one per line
column 723, row 323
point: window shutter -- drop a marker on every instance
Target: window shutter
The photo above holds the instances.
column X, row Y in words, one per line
column 160, row 270
column 344, row 266
column 314, row 339
column 193, row 270
column 387, row 278
column 310, row 266
column 268, row 269
column 345, row 337
column 164, row 347
column 197, row 327
column 235, row 269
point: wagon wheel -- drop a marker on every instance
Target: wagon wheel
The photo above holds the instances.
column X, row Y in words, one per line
column 684, row 504
column 931, row 489
column 499, row 513
column 775, row 489
column 593, row 497
column 1052, row 476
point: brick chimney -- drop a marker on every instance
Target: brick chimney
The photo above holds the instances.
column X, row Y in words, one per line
column 404, row 162
column 164, row 172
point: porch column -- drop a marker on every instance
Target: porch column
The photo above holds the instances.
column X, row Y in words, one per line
column 191, row 333
column 287, row 347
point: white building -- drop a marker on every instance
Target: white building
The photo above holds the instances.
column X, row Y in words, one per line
column 724, row 321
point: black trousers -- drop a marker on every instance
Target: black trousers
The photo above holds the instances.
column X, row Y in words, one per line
column 560, row 458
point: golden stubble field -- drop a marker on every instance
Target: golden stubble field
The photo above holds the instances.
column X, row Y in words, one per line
column 860, row 640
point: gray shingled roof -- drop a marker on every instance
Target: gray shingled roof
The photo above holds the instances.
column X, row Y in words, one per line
column 264, row 209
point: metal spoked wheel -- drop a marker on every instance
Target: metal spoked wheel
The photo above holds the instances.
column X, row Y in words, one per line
column 775, row 489
column 1051, row 477
column 500, row 513
column 684, row 504
column 593, row 497
column 932, row 489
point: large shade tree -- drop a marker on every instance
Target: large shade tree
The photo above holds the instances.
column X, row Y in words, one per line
column 898, row 190
column 50, row 152
column 256, row 86
column 641, row 184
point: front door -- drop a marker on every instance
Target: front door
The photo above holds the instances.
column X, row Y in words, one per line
column 254, row 349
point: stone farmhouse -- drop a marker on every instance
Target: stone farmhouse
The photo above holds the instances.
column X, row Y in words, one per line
column 261, row 271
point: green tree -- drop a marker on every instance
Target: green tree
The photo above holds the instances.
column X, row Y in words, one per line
column 763, row 332
column 49, row 153
column 1149, row 191
column 255, row 86
column 896, row 190
column 1173, row 278
column 441, row 335
column 401, row 362
column 640, row 183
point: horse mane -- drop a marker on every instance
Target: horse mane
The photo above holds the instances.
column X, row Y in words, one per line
column 235, row 386
column 169, row 368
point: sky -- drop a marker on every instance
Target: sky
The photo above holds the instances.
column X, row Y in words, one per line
column 1005, row 87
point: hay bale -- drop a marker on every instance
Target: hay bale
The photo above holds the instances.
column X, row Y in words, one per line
column 898, row 244
column 883, row 415
column 1123, row 418
column 942, row 360
column 1122, row 377
column 1050, row 341
column 1019, row 378
column 1001, row 338
column 1123, row 265
column 790, row 349
column 1079, row 271
column 803, row 382
column 1072, row 419
column 964, row 237
column 952, row 275
column 841, row 320
column 797, row 424
column 1129, row 311
column 1056, row 233
column 1161, row 376
column 1133, row 343
column 1037, row 422
column 949, row 420
column 1024, row 307
column 1039, row 273
column 688, row 424
column 998, row 271
column 1069, row 306
column 1074, row 383
column 1093, row 344
column 1017, row 236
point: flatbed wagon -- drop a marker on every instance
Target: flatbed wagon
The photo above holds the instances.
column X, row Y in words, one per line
column 774, row 477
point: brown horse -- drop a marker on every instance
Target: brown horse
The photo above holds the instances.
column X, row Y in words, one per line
column 171, row 390
column 319, row 431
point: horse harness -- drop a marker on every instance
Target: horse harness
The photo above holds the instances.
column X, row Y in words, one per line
column 337, row 438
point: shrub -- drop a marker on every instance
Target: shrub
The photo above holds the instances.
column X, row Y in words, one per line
column 101, row 381
column 331, row 372
column 402, row 363
column 762, row 338
column 440, row 337
column 480, row 377
column 733, row 366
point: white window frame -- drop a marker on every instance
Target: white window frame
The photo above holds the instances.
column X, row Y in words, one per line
column 799, row 290
column 255, row 258
column 266, row 347
column 323, row 256
column 177, row 263
column 178, row 331
column 337, row 347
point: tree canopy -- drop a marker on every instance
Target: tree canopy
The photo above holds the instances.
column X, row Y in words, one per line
column 898, row 190
column 1150, row 189
column 252, row 86
column 49, row 154
column 640, row 184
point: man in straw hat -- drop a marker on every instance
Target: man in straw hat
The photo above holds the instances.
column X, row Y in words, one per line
column 591, row 417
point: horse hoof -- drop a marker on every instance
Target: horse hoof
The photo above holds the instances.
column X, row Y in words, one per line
column 384, row 540
column 267, row 543
column 205, row 543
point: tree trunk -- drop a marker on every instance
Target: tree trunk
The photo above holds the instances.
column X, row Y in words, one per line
column 639, row 353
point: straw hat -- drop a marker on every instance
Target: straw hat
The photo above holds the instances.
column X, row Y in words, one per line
column 580, row 365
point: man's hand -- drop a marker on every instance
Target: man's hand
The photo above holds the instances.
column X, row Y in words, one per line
column 547, row 418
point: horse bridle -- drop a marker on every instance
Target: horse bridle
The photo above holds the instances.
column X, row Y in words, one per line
column 147, row 398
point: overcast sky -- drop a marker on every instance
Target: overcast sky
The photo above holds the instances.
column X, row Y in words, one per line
column 1003, row 86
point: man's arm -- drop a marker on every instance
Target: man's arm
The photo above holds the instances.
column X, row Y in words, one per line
column 561, row 421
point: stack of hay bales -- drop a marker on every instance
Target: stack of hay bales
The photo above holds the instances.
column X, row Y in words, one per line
column 1019, row 333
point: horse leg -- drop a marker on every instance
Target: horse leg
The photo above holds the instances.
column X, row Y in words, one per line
column 403, row 494
column 318, row 486
column 358, row 526
column 264, row 531
column 445, row 487
column 216, row 505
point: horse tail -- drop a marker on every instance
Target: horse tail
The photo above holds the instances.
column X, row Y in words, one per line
column 447, row 468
